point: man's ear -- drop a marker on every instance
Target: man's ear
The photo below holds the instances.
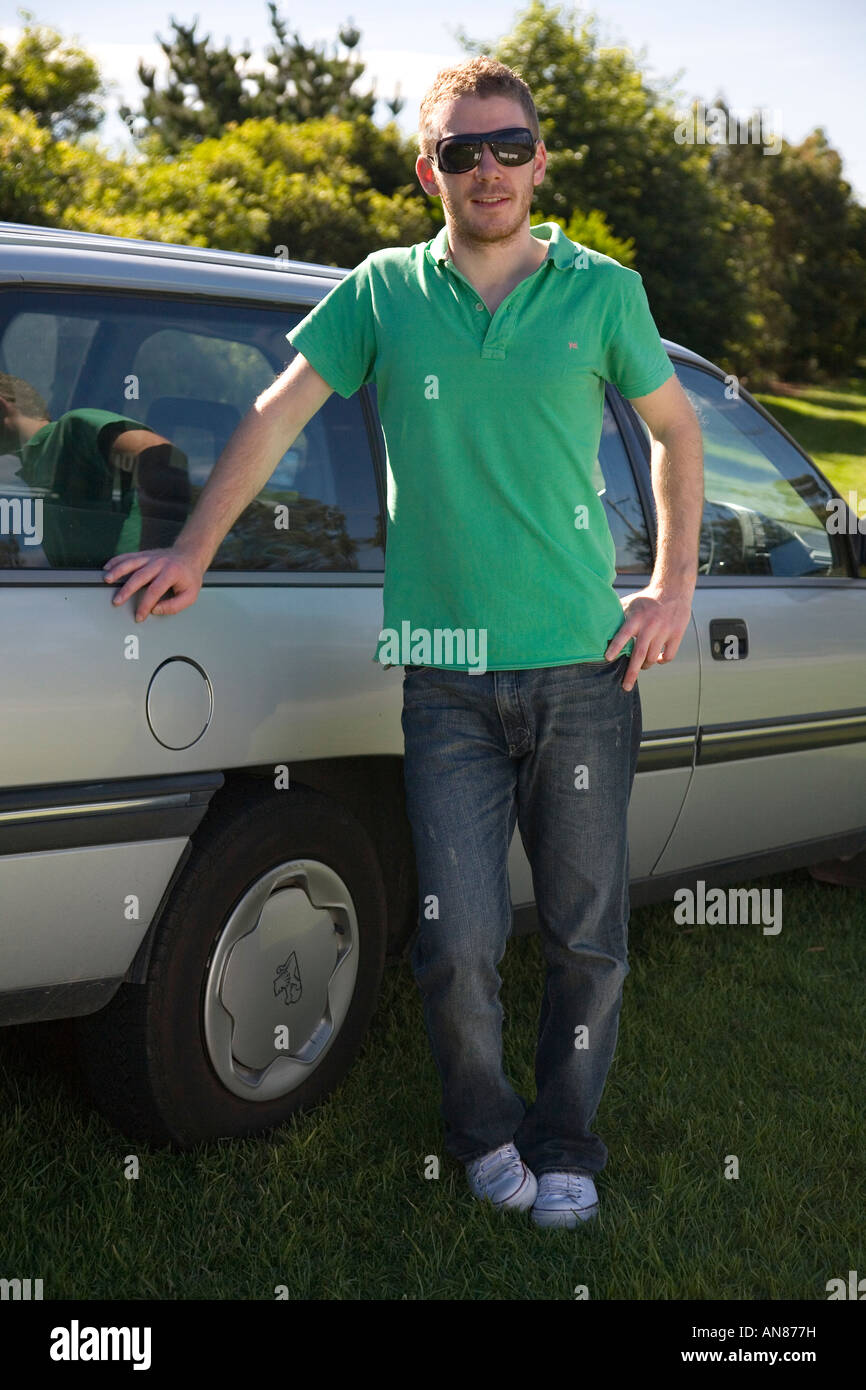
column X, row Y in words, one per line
column 540, row 159
column 427, row 176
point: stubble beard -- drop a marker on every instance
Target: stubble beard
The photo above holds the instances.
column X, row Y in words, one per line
column 472, row 231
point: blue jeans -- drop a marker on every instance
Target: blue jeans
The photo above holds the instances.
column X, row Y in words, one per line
column 554, row 748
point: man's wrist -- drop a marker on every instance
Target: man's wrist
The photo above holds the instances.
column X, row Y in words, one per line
column 674, row 584
column 199, row 553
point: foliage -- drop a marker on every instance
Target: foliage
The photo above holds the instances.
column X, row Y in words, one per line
column 52, row 80
column 259, row 186
column 209, row 89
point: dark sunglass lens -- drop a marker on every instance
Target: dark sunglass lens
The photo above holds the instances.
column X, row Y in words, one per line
column 458, row 156
column 516, row 150
column 511, row 154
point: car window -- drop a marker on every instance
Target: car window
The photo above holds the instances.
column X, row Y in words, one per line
column 764, row 508
column 614, row 482
column 91, row 377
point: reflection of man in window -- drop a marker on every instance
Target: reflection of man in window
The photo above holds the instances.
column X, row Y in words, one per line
column 109, row 484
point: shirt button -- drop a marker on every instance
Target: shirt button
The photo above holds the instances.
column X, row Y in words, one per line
column 479, row 306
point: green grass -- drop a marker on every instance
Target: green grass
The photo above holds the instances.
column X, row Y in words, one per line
column 731, row 1042
column 830, row 424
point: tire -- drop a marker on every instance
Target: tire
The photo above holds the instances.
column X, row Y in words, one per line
column 244, row 949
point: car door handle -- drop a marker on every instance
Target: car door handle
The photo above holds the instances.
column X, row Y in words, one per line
column 729, row 639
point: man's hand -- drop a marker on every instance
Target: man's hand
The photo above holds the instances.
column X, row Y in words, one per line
column 160, row 570
column 656, row 619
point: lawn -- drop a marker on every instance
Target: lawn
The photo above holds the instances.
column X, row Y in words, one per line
column 732, row 1042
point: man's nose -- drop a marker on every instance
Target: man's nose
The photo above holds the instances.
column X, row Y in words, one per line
column 488, row 163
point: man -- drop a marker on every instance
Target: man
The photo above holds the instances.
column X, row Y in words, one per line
column 489, row 346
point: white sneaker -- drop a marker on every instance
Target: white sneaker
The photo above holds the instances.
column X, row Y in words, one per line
column 501, row 1177
column 564, row 1199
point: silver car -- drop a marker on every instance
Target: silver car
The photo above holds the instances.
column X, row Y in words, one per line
column 204, row 853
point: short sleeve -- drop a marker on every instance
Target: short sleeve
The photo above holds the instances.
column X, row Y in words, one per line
column 114, row 426
column 637, row 362
column 338, row 336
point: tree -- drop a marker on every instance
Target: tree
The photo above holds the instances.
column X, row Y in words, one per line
column 819, row 259
column 209, row 89
column 258, row 187
column 52, row 80
column 307, row 84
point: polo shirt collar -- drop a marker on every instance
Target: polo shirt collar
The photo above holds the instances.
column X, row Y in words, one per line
column 562, row 251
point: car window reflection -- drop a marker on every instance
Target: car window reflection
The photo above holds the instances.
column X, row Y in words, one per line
column 107, row 483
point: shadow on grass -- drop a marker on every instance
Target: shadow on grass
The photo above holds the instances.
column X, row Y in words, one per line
column 39, row 1068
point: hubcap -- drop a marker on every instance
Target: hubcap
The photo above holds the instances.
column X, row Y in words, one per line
column 280, row 979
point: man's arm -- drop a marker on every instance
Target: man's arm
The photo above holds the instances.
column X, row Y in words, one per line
column 268, row 429
column 658, row 615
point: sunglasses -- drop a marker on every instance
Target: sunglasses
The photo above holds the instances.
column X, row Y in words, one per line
column 457, row 154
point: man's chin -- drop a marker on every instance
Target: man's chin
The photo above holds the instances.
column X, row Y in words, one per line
column 487, row 227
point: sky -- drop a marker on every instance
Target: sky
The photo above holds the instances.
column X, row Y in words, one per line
column 800, row 63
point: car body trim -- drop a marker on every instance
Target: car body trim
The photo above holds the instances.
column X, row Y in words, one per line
column 668, row 749
column 760, row 738
column 36, row 819
column 141, row 803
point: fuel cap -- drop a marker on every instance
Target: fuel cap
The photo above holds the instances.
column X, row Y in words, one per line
column 179, row 702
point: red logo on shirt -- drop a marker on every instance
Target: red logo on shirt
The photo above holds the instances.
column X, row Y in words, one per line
column 572, row 345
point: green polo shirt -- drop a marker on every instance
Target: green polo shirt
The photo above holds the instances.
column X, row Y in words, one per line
column 499, row 555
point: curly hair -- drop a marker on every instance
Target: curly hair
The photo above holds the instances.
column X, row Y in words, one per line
column 479, row 77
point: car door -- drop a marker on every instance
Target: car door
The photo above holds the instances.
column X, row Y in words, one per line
column 780, row 614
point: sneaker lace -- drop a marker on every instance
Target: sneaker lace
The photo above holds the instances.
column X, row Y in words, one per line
column 565, row 1184
column 494, row 1158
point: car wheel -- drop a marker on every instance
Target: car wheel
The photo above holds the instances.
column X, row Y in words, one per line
column 263, row 976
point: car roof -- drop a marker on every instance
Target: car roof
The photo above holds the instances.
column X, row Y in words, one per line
column 58, row 256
